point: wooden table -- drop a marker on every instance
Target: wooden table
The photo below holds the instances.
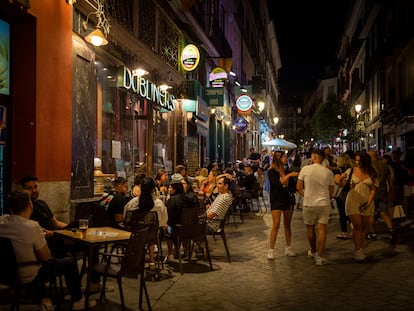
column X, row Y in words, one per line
column 94, row 237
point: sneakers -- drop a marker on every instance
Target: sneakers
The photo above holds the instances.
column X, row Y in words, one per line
column 289, row 252
column 313, row 255
column 372, row 236
column 321, row 261
column 80, row 304
column 359, row 255
column 271, row 254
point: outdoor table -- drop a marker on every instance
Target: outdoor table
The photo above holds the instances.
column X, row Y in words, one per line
column 94, row 237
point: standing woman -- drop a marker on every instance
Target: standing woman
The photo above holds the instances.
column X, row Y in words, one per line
column 282, row 187
column 359, row 204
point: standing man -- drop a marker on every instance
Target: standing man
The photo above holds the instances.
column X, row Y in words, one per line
column 316, row 184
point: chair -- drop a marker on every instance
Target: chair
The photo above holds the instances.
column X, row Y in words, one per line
column 256, row 194
column 131, row 265
column 137, row 219
column 192, row 228
column 221, row 232
column 9, row 275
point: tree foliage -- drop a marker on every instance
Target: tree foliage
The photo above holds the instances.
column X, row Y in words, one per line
column 330, row 119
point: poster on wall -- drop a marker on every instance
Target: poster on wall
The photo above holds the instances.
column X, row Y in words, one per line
column 4, row 57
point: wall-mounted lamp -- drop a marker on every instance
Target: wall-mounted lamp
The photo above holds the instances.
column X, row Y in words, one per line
column 164, row 87
column 139, row 72
column 275, row 120
column 358, row 108
column 261, row 105
column 98, row 36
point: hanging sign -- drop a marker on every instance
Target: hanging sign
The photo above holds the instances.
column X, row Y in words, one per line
column 190, row 57
column 240, row 125
column 244, row 104
column 217, row 77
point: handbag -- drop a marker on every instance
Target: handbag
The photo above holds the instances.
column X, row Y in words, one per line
column 398, row 212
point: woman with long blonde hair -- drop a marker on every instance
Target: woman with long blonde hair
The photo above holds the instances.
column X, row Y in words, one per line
column 282, row 200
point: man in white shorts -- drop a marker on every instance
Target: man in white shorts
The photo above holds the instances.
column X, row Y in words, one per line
column 316, row 184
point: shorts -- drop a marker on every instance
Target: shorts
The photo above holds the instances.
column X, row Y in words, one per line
column 381, row 205
column 313, row 215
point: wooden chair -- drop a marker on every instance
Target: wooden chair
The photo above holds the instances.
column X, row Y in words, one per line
column 130, row 265
column 221, row 232
column 192, row 228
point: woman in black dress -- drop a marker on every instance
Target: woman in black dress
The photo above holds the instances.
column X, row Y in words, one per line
column 282, row 200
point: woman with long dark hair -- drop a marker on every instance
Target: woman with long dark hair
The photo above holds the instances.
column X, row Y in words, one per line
column 282, row 200
column 148, row 201
column 359, row 204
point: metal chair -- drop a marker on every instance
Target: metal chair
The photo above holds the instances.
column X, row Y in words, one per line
column 9, row 276
column 130, row 265
column 221, row 232
column 137, row 219
column 192, row 228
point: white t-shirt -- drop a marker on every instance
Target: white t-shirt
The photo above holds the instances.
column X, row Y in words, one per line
column 26, row 236
column 159, row 207
column 316, row 181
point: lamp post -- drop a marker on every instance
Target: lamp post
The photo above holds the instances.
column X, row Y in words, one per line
column 358, row 109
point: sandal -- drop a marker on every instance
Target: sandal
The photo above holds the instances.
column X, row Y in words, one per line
column 342, row 236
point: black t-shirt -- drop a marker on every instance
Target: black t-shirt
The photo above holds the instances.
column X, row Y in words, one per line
column 42, row 214
column 116, row 206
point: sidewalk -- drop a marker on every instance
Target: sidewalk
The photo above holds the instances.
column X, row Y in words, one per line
column 251, row 282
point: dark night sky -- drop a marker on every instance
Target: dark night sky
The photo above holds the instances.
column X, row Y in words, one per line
column 308, row 34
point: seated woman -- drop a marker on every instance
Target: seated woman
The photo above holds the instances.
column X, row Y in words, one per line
column 208, row 189
column 146, row 202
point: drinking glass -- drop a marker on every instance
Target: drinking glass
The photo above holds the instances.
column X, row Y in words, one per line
column 83, row 227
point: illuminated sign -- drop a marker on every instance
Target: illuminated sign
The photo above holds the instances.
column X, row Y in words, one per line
column 244, row 104
column 240, row 125
column 190, row 57
column 217, row 77
column 145, row 89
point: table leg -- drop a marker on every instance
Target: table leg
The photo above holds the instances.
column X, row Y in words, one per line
column 88, row 276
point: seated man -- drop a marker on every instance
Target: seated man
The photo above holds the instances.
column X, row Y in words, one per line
column 41, row 211
column 218, row 209
column 29, row 245
column 247, row 187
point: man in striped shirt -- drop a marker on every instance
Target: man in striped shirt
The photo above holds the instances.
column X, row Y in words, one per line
column 218, row 209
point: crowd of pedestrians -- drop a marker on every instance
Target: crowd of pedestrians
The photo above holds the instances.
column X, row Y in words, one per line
column 364, row 186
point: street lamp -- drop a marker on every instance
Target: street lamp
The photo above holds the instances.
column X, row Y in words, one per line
column 358, row 108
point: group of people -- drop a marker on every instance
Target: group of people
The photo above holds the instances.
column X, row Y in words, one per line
column 30, row 227
column 361, row 185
